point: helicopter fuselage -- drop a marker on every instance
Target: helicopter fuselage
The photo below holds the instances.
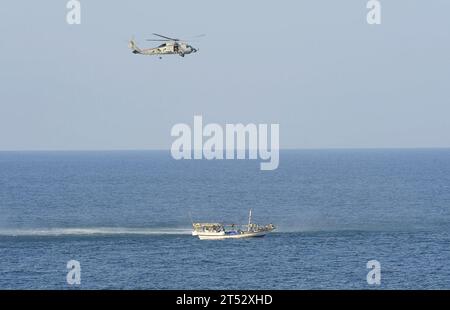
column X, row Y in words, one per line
column 168, row 48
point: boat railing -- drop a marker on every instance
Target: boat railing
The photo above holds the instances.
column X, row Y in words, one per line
column 200, row 227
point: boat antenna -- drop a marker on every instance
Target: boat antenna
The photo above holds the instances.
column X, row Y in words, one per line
column 190, row 216
column 249, row 219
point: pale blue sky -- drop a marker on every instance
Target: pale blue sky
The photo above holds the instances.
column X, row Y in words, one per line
column 315, row 67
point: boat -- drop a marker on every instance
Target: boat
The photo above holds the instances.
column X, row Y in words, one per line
column 219, row 231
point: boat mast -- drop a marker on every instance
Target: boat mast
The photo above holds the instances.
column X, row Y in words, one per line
column 190, row 216
column 249, row 219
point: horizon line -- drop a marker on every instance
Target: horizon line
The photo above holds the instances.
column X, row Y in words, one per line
column 280, row 149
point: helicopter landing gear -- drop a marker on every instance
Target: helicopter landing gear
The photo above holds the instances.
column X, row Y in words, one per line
column 160, row 57
column 182, row 55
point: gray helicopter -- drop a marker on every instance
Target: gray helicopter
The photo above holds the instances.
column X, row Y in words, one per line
column 170, row 46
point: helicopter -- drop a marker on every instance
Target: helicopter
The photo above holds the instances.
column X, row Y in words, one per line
column 170, row 46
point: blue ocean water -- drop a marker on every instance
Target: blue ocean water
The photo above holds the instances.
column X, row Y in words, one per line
column 125, row 217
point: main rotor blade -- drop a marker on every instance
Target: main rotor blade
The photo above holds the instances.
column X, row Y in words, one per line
column 199, row 35
column 164, row 40
column 165, row 37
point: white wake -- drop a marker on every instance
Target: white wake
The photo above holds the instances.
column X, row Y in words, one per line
column 93, row 231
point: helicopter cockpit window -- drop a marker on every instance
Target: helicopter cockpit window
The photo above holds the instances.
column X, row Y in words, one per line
column 162, row 45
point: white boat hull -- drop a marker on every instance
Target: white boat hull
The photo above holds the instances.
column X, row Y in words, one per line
column 221, row 236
